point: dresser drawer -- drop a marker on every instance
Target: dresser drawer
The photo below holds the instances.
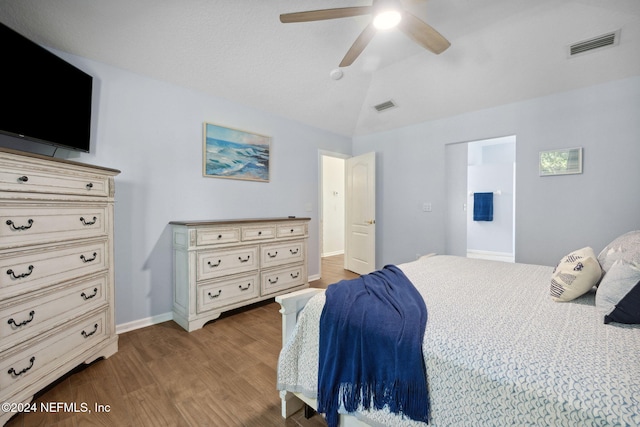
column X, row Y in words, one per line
column 211, row 236
column 35, row 179
column 258, row 232
column 291, row 230
column 225, row 292
column 26, row 365
column 282, row 278
column 282, row 253
column 21, row 226
column 215, row 263
column 24, row 318
column 36, row 269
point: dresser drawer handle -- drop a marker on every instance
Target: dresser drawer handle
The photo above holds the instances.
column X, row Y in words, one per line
column 292, row 230
column 84, row 259
column 86, row 297
column 88, row 334
column 294, row 252
column 295, row 276
column 24, row 322
column 244, row 260
column 259, row 233
column 244, row 289
column 15, row 373
column 89, row 186
column 20, row 227
column 23, row 178
column 214, row 265
column 272, row 256
column 216, row 295
column 20, row 276
column 219, row 236
column 85, row 222
column 273, row 281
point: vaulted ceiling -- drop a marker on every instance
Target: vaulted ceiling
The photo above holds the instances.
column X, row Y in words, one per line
column 502, row 51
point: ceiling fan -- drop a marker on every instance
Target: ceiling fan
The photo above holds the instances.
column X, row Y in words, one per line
column 386, row 14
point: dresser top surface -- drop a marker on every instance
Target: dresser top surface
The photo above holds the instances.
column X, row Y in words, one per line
column 237, row 221
column 17, row 154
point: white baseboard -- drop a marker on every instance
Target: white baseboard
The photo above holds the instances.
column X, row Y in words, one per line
column 142, row 323
column 494, row 256
column 153, row 320
column 326, row 254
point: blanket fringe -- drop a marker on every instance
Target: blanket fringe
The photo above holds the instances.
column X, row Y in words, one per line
column 406, row 399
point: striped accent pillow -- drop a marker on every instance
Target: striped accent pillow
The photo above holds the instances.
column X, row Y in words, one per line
column 575, row 275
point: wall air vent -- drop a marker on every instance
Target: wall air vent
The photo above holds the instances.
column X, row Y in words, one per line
column 605, row 40
column 383, row 106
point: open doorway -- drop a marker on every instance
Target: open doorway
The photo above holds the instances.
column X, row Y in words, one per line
column 491, row 171
column 333, row 214
column 347, row 210
column 483, row 166
column 332, row 205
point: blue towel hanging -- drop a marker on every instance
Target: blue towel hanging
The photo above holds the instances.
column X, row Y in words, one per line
column 483, row 206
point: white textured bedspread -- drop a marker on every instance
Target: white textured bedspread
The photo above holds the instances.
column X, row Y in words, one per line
column 499, row 351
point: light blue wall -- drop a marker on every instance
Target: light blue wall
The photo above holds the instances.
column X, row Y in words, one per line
column 152, row 132
column 554, row 215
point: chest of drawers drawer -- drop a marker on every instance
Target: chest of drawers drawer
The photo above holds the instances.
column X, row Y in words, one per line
column 225, row 292
column 36, row 269
column 217, row 263
column 292, row 230
column 24, row 318
column 36, row 179
column 282, row 278
column 282, row 253
column 19, row 366
column 217, row 235
column 261, row 232
column 20, row 226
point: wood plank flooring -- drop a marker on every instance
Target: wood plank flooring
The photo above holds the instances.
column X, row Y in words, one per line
column 221, row 375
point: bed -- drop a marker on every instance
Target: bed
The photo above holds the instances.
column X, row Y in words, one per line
column 498, row 349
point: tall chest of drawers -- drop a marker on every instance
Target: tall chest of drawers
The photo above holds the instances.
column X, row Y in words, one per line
column 222, row 265
column 56, row 270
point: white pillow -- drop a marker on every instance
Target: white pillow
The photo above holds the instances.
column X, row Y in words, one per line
column 575, row 275
column 622, row 248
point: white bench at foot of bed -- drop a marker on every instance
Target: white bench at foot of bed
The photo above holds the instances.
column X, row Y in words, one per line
column 292, row 303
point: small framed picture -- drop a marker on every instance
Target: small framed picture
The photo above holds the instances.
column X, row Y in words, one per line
column 561, row 162
column 235, row 154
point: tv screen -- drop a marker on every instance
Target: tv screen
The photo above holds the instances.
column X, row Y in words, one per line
column 43, row 98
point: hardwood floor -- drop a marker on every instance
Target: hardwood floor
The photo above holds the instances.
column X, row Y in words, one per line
column 221, row 375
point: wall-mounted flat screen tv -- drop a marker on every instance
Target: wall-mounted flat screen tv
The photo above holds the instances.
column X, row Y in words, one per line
column 42, row 97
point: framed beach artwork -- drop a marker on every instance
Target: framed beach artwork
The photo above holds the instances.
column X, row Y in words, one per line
column 235, row 154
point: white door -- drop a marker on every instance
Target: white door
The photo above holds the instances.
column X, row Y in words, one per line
column 360, row 215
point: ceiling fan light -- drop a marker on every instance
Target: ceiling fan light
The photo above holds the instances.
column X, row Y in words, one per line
column 387, row 19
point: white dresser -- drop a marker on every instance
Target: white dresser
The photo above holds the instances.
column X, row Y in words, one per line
column 222, row 265
column 56, row 270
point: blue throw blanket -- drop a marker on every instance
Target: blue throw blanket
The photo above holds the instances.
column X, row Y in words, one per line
column 371, row 333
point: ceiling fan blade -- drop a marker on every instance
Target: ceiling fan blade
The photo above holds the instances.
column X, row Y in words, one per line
column 423, row 33
column 358, row 46
column 319, row 15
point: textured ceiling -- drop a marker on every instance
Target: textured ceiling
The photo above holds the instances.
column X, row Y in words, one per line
column 501, row 51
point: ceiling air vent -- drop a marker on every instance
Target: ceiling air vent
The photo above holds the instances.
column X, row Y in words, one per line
column 605, row 40
column 385, row 106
